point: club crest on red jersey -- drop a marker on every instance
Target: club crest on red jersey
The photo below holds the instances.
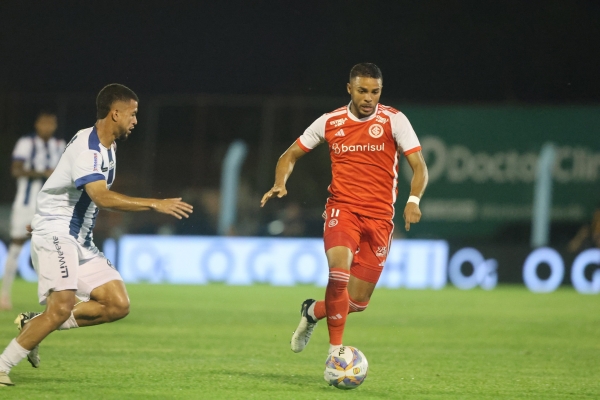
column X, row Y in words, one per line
column 376, row 131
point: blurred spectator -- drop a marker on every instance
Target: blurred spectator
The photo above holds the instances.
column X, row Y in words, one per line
column 34, row 158
column 247, row 220
column 588, row 235
column 289, row 223
column 206, row 212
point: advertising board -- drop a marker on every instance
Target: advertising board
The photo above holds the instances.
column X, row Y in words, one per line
column 412, row 264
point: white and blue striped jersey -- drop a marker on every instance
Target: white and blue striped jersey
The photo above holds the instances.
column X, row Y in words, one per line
column 63, row 206
column 37, row 155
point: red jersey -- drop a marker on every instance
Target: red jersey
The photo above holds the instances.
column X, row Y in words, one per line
column 364, row 157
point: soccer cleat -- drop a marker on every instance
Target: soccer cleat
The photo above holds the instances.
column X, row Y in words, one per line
column 305, row 328
column 5, row 380
column 34, row 355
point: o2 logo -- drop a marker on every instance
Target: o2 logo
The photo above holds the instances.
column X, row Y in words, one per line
column 485, row 272
column 552, row 258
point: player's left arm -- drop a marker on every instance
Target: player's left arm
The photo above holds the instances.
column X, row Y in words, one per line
column 107, row 199
column 412, row 212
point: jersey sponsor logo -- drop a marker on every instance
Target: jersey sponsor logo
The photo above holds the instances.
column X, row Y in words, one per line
column 95, row 162
column 111, row 165
column 381, row 119
column 376, row 131
column 381, row 251
column 64, row 270
column 339, row 149
column 338, row 122
column 332, row 223
column 340, row 133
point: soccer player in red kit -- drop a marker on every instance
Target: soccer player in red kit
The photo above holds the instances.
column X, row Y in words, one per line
column 365, row 141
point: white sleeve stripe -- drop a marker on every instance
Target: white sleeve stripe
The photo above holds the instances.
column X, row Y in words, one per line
column 315, row 133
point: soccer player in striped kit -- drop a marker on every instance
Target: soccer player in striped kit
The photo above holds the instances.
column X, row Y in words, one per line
column 69, row 265
column 34, row 158
column 365, row 141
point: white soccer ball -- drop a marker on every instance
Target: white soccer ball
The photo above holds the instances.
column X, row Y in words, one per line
column 346, row 368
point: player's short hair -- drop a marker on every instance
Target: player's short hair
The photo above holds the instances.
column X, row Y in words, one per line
column 45, row 112
column 365, row 70
column 111, row 94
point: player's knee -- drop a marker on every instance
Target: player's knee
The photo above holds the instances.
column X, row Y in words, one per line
column 339, row 257
column 59, row 313
column 339, row 262
column 118, row 309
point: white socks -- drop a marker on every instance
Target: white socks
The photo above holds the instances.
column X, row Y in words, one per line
column 10, row 268
column 311, row 311
column 12, row 355
column 71, row 323
column 334, row 347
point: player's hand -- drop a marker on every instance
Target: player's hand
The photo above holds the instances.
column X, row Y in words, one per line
column 174, row 207
column 276, row 190
column 29, row 230
column 412, row 214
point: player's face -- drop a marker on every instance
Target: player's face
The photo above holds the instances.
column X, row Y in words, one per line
column 45, row 126
column 365, row 93
column 126, row 117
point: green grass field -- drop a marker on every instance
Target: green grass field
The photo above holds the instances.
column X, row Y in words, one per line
column 213, row 342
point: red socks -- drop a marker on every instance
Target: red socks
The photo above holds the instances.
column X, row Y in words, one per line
column 336, row 304
column 357, row 306
column 320, row 311
column 354, row 306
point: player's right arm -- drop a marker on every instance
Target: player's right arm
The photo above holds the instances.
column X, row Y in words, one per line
column 109, row 200
column 311, row 138
column 284, row 169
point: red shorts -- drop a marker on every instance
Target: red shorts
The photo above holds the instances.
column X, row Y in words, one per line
column 368, row 238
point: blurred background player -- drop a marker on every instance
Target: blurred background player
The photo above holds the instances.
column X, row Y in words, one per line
column 365, row 139
column 63, row 253
column 588, row 235
column 34, row 158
